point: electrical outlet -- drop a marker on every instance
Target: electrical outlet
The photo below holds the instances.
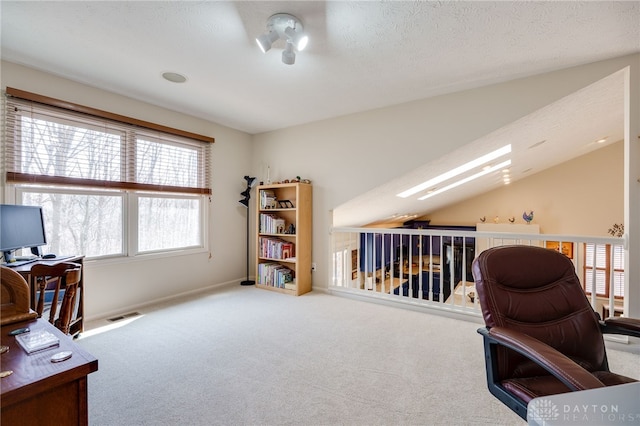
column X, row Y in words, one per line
column 313, row 267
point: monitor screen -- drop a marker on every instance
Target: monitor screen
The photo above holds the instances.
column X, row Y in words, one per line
column 21, row 227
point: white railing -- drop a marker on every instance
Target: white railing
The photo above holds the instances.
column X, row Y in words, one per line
column 432, row 268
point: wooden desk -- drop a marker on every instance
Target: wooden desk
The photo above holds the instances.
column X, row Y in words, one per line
column 387, row 284
column 40, row 392
column 77, row 323
column 418, row 265
column 461, row 295
column 414, row 270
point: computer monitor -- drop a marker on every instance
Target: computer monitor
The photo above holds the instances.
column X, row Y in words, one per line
column 21, row 227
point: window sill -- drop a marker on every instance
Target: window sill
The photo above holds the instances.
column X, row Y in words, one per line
column 146, row 256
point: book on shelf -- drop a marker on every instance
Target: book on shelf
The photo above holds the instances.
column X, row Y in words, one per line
column 268, row 199
column 275, row 248
column 37, row 340
column 275, row 275
column 271, row 224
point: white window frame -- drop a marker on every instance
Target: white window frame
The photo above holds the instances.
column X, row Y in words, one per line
column 17, row 182
column 129, row 219
column 134, row 196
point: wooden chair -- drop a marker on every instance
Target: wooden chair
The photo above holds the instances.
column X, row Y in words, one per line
column 14, row 300
column 59, row 277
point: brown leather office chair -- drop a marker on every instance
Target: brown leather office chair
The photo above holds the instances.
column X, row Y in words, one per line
column 57, row 278
column 542, row 336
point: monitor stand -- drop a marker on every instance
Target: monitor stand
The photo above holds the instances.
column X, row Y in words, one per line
column 9, row 256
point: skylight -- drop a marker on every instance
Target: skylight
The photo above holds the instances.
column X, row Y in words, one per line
column 456, row 172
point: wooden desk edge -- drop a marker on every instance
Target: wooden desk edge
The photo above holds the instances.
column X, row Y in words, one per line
column 16, row 387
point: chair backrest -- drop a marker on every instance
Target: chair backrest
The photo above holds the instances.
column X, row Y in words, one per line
column 72, row 279
column 14, row 297
column 59, row 277
column 536, row 291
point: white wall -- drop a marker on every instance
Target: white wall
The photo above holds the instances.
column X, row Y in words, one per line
column 343, row 157
column 117, row 286
column 583, row 196
column 347, row 156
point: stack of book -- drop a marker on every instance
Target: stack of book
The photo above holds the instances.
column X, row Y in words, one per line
column 268, row 199
column 276, row 275
column 275, row 248
column 271, row 224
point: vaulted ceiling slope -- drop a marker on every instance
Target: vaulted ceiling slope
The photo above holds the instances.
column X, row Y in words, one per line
column 361, row 55
column 584, row 121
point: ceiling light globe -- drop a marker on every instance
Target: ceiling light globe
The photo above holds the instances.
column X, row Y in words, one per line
column 266, row 40
column 299, row 39
column 263, row 44
column 302, row 43
column 289, row 56
column 288, row 59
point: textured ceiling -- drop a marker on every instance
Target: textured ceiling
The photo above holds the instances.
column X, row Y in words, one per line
column 361, row 56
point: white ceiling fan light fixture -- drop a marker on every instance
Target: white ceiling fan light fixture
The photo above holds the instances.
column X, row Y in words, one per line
column 286, row 27
column 457, row 171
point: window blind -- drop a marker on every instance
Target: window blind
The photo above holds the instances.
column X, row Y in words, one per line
column 609, row 265
column 50, row 145
column 618, row 271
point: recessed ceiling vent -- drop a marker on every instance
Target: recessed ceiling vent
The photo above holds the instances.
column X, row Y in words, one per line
column 537, row 144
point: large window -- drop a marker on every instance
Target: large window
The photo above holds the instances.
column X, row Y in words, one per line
column 80, row 222
column 605, row 264
column 108, row 188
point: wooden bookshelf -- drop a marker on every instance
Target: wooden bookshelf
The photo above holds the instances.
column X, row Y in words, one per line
column 283, row 255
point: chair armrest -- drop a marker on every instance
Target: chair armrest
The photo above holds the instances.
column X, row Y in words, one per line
column 621, row 325
column 557, row 364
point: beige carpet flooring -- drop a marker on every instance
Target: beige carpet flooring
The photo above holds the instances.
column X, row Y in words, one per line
column 243, row 356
